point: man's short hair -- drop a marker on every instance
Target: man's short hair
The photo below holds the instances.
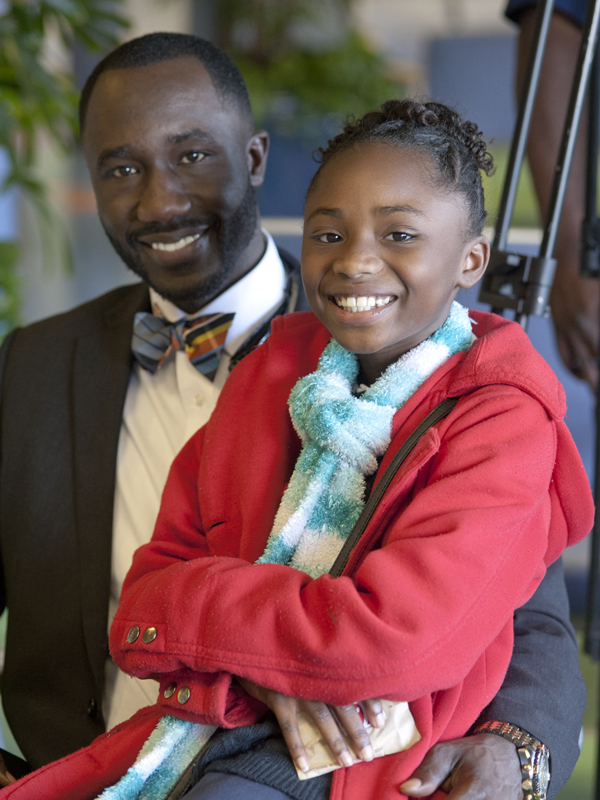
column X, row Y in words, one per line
column 157, row 47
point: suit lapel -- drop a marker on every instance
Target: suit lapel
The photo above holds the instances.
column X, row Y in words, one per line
column 292, row 268
column 100, row 377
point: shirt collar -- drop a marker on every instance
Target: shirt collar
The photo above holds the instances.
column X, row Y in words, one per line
column 251, row 299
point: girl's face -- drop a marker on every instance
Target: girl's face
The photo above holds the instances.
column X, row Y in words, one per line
column 385, row 251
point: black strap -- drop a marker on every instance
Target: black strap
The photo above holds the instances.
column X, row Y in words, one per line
column 438, row 413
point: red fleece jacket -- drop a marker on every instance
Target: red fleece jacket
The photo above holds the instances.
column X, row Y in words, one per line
column 423, row 612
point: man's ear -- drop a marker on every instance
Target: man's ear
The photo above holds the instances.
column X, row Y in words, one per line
column 475, row 261
column 257, row 152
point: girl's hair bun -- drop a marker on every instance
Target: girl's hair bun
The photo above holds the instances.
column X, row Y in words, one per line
column 438, row 115
column 455, row 146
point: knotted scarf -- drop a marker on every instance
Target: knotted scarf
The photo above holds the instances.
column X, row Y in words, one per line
column 343, row 436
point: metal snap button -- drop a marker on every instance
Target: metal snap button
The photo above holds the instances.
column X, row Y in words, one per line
column 133, row 634
column 183, row 695
column 149, row 635
column 170, row 690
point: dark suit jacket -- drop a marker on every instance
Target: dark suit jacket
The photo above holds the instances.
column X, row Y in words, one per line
column 63, row 386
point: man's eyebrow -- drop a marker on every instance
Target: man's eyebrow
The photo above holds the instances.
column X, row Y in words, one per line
column 327, row 212
column 195, row 133
column 114, row 152
column 127, row 150
column 383, row 211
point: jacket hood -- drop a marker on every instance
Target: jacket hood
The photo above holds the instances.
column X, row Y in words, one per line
column 503, row 353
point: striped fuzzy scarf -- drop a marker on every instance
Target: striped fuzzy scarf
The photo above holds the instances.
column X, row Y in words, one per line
column 343, row 436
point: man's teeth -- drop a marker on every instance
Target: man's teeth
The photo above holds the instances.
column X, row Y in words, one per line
column 355, row 304
column 170, row 247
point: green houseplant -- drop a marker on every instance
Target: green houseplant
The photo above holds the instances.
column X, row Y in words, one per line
column 35, row 98
column 295, row 75
column 306, row 69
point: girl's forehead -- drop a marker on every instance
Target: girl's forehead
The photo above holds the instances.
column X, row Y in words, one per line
column 374, row 172
column 381, row 159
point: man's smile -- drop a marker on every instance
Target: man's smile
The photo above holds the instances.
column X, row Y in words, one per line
column 171, row 240
column 167, row 245
column 170, row 247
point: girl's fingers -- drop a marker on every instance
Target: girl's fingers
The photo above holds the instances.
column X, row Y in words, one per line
column 352, row 723
column 331, row 722
column 286, row 710
column 374, row 712
column 327, row 723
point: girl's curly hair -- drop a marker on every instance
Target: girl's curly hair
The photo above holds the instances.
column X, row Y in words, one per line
column 455, row 147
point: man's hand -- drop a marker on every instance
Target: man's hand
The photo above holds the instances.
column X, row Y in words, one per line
column 481, row 767
column 5, row 777
column 575, row 304
column 332, row 721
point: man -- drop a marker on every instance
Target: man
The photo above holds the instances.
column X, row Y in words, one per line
column 87, row 440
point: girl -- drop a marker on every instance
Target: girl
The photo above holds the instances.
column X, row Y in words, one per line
column 232, row 604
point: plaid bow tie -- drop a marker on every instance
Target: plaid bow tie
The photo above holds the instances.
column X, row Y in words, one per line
column 203, row 339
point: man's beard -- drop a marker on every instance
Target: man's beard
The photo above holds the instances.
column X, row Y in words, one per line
column 232, row 234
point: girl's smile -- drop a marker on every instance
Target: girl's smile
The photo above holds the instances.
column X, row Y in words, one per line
column 356, row 311
column 362, row 302
column 385, row 251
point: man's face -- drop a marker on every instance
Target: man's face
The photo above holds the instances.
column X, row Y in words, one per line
column 173, row 167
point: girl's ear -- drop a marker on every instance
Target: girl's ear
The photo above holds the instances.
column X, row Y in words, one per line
column 474, row 263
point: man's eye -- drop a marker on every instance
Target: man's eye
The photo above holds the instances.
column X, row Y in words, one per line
column 193, row 158
column 328, row 238
column 122, row 172
column 399, row 236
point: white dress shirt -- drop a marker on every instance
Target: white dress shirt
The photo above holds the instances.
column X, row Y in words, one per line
column 162, row 411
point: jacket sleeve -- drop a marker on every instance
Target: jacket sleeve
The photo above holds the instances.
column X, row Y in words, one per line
column 545, row 663
column 466, row 550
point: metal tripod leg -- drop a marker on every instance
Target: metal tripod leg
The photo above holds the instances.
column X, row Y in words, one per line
column 516, row 281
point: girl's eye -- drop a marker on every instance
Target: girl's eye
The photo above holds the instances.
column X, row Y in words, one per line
column 399, row 236
column 328, row 238
column 122, row 172
column 193, row 158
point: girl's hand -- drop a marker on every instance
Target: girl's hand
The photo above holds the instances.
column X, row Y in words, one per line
column 330, row 720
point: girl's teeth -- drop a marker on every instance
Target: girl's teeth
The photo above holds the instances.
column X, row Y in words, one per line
column 170, row 247
column 356, row 304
